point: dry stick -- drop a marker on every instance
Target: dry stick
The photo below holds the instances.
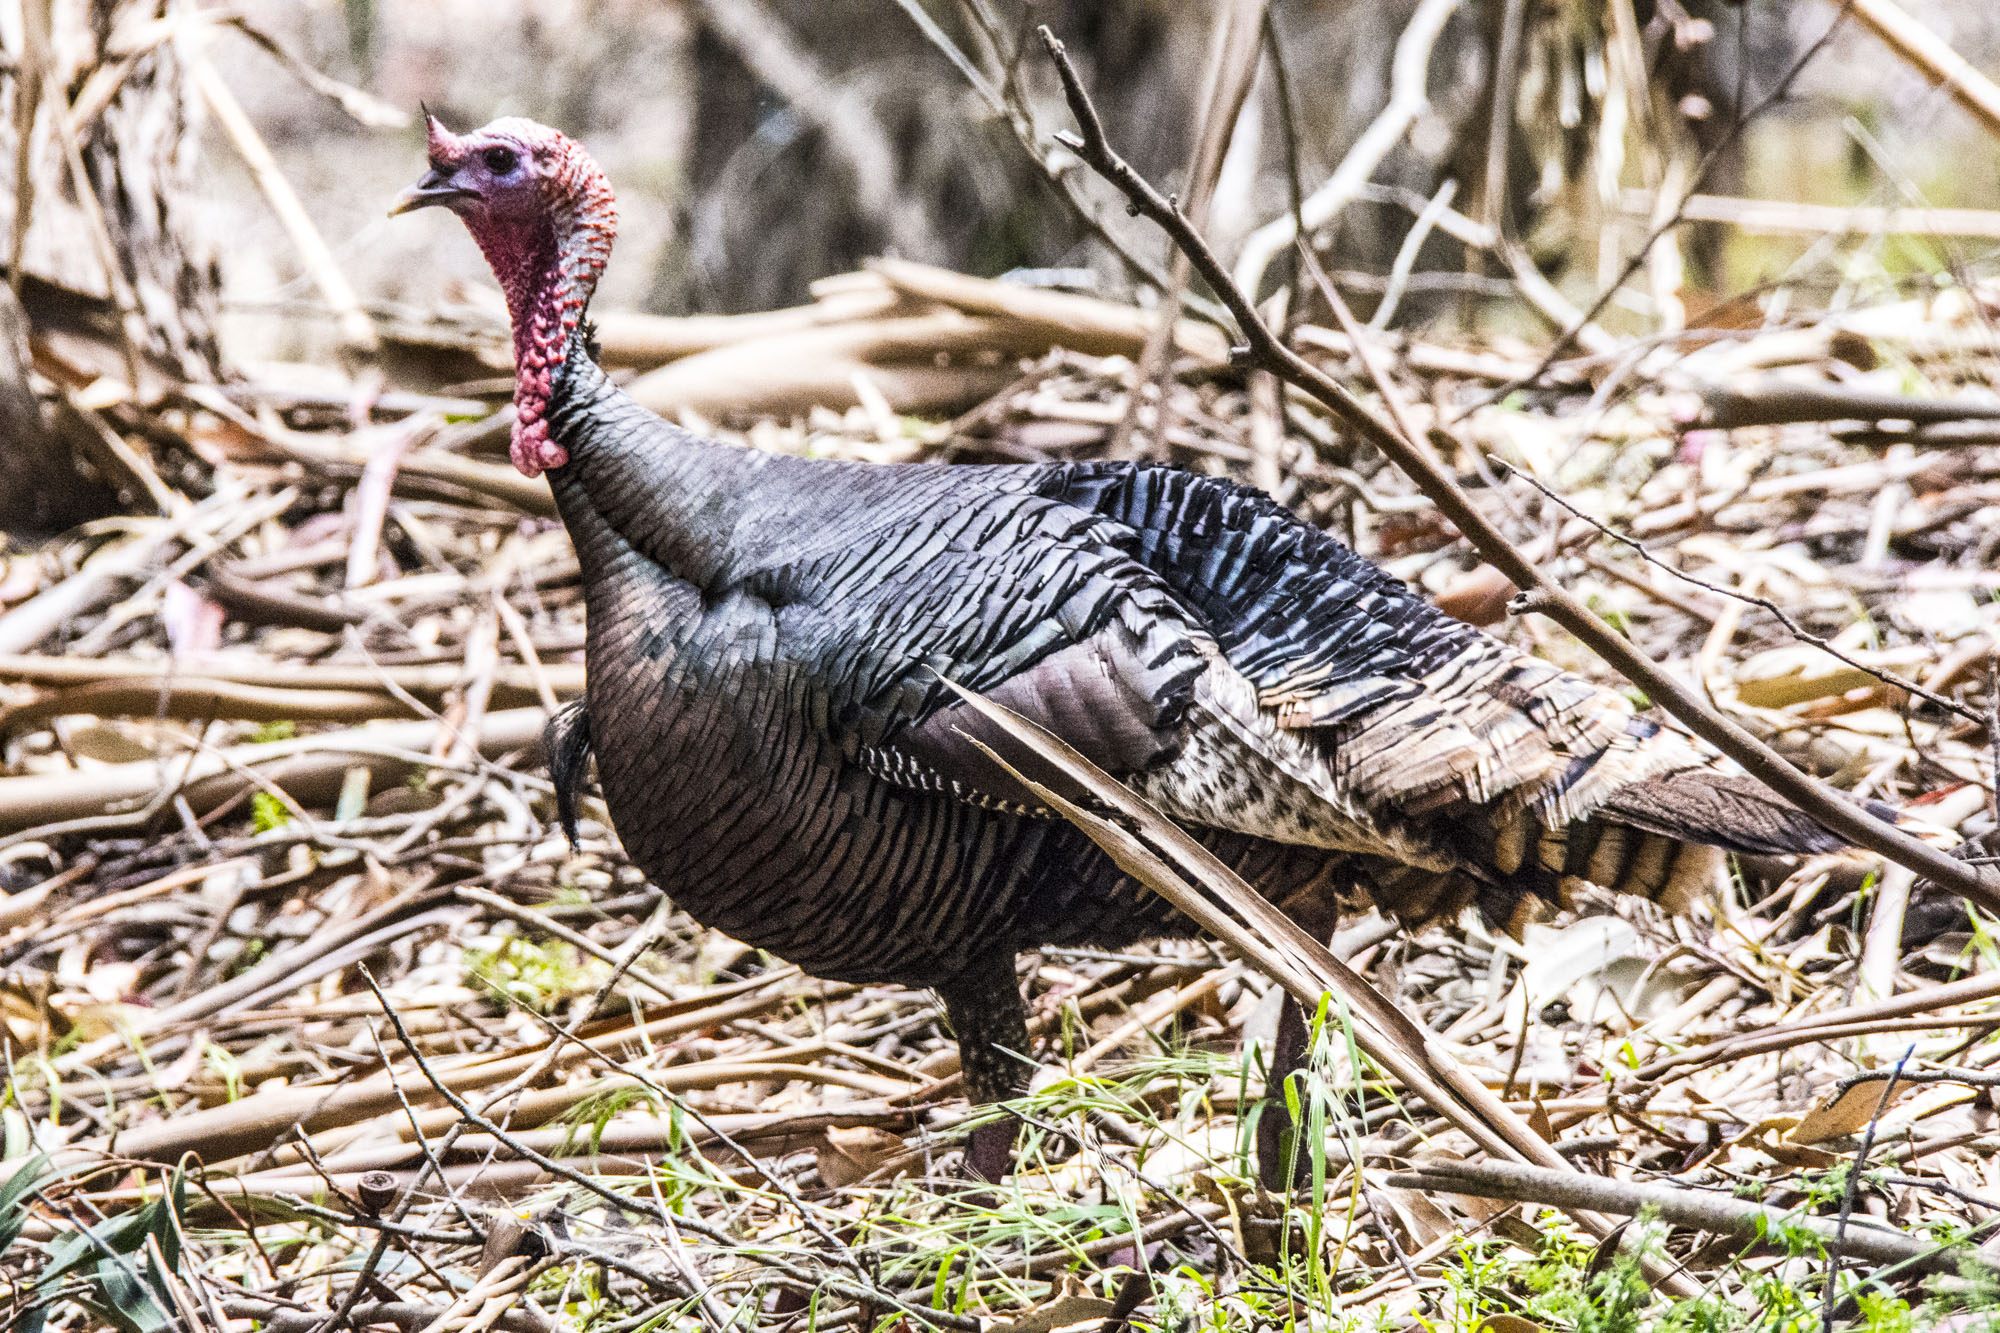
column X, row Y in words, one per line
column 1262, row 350
column 1934, row 56
column 1405, row 262
column 28, row 73
column 1501, row 93
column 311, row 765
column 363, row 107
column 131, row 323
column 432, row 1162
column 356, row 329
column 405, row 1316
column 1409, row 98
column 1288, row 126
column 1015, row 107
column 1853, row 1189
column 1715, row 1213
column 1232, row 69
column 94, row 585
column 371, row 503
column 430, row 680
column 524, row 644
column 197, row 699
column 1782, row 217
column 1920, row 1002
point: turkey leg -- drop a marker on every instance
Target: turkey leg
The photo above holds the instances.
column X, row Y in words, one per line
column 1278, row 1169
column 984, row 1006
column 1279, row 1166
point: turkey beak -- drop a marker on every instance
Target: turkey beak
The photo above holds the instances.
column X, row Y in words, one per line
column 436, row 188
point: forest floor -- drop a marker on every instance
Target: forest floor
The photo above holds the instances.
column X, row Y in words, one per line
column 313, row 1014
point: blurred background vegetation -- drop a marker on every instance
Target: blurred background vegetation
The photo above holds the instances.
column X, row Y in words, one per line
column 736, row 196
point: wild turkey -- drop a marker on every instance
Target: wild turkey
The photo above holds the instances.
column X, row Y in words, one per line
column 769, row 638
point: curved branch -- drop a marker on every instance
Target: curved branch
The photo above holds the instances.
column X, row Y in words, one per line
column 1262, row 350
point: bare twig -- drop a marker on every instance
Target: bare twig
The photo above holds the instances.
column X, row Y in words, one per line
column 1839, row 1022
column 1837, row 1243
column 1934, row 56
column 355, row 326
column 1792, row 627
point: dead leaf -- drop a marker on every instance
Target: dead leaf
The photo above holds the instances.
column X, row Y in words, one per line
column 1072, row 1307
column 1843, row 1112
column 1538, row 1120
column 1478, row 597
column 850, row 1155
column 1796, row 1156
column 106, row 743
column 1525, row 1235
column 1419, row 1219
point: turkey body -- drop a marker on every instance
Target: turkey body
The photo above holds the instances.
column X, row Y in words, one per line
column 769, row 639
column 775, row 646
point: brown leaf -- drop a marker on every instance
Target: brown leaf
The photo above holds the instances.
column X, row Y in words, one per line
column 107, row 744
column 1478, row 597
column 1072, row 1307
column 850, row 1155
column 1844, row 1112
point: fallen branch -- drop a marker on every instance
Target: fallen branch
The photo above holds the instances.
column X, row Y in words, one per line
column 356, row 329
column 1769, row 401
column 405, row 1316
column 426, row 682
column 1683, row 1207
column 195, row 699
column 311, row 769
column 1080, row 323
column 1837, row 1023
column 1785, row 218
column 789, row 374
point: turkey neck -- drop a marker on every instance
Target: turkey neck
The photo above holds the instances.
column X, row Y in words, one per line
column 623, row 478
column 636, row 486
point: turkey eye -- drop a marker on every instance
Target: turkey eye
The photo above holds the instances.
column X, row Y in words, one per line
column 500, row 161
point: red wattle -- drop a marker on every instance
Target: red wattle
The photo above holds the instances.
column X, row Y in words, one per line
column 547, row 270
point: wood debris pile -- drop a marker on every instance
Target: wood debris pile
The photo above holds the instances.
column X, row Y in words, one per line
column 313, row 1014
